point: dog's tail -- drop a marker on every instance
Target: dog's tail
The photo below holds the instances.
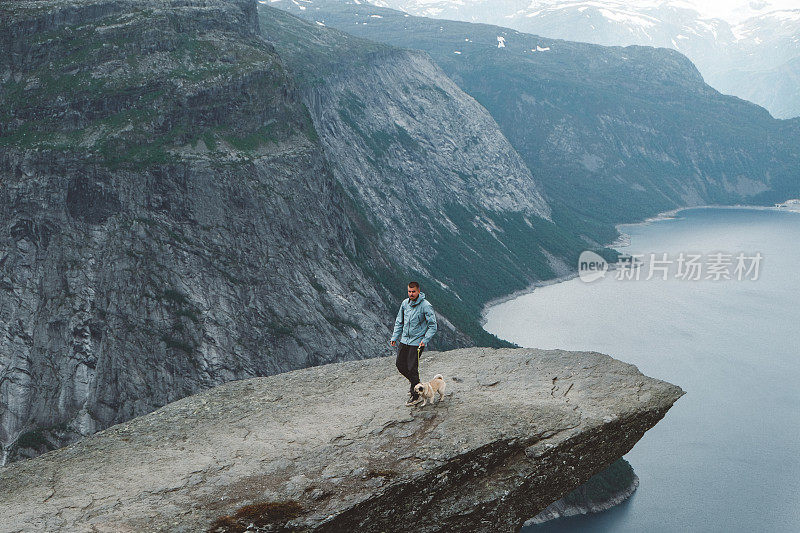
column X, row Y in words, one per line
column 438, row 376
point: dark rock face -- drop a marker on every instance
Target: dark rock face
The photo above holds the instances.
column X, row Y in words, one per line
column 167, row 219
column 91, row 201
column 332, row 448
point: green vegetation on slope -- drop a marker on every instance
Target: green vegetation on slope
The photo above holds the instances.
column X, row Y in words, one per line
column 102, row 90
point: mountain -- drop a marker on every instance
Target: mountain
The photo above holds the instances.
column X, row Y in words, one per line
column 160, row 228
column 195, row 192
column 443, row 192
column 614, row 134
column 764, row 63
column 753, row 54
column 198, row 191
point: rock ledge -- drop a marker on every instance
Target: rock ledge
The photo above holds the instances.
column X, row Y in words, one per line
column 518, row 430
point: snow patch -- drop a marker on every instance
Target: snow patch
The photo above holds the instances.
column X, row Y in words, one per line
column 627, row 18
column 708, row 26
column 787, row 15
column 501, row 42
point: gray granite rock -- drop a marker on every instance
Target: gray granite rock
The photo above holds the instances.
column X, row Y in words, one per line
column 333, row 448
column 168, row 221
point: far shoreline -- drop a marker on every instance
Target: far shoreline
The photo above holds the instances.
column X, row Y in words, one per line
column 621, row 242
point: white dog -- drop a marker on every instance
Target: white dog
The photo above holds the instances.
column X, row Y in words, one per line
column 427, row 391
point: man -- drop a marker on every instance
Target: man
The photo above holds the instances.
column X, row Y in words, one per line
column 414, row 326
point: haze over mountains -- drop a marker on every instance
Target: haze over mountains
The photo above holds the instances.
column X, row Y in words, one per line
column 751, row 50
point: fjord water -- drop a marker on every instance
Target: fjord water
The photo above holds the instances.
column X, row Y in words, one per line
column 726, row 457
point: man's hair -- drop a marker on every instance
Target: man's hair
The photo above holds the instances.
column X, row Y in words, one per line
column 413, row 285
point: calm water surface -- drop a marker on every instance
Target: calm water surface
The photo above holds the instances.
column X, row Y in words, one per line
column 726, row 457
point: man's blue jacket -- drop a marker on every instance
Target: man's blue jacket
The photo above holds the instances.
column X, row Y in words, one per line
column 415, row 320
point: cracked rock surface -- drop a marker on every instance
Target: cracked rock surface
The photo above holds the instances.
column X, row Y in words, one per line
column 518, row 429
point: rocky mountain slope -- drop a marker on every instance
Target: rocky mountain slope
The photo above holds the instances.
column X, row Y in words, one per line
column 614, row 134
column 442, row 190
column 174, row 217
column 752, row 52
column 332, row 448
column 168, row 221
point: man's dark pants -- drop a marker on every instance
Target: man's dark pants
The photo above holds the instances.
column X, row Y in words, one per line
column 407, row 364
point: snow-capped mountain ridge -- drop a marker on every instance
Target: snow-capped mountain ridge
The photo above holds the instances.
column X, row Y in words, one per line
column 733, row 13
column 750, row 50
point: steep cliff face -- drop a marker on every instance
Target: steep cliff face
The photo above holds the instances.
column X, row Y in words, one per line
column 445, row 149
column 613, row 134
column 332, row 448
column 167, row 219
column 445, row 195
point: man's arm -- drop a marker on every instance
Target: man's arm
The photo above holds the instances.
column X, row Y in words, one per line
column 398, row 323
column 431, row 318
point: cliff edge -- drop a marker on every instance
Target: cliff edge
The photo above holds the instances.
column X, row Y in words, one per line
column 332, row 448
